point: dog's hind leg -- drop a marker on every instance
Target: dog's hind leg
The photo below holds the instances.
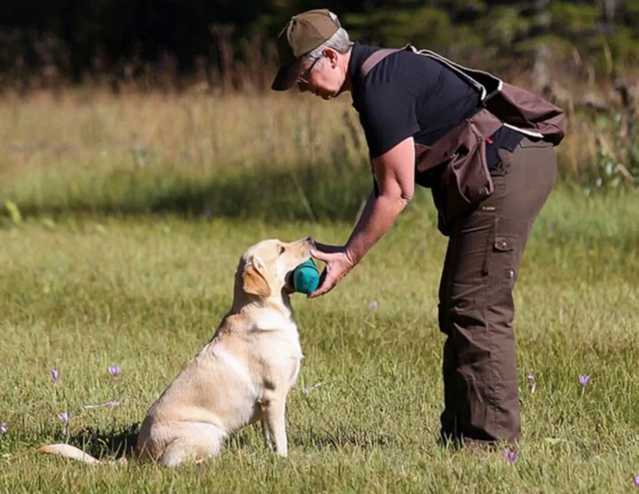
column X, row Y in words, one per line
column 176, row 453
column 181, row 451
column 196, row 443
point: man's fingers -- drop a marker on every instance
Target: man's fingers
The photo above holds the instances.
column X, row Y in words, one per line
column 322, row 256
column 326, row 283
column 316, row 254
column 321, row 290
column 326, row 248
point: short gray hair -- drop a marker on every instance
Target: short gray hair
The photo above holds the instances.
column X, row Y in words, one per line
column 339, row 42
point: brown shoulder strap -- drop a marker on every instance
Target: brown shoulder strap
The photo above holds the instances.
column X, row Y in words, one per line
column 376, row 57
column 486, row 83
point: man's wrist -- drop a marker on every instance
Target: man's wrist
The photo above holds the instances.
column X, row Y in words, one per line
column 352, row 256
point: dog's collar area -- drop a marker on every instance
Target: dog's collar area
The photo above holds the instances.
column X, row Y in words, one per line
column 289, row 286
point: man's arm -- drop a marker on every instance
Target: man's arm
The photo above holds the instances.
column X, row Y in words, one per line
column 395, row 174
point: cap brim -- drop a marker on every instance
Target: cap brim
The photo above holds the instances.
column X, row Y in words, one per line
column 286, row 76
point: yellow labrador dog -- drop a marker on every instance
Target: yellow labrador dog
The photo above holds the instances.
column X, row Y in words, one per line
column 242, row 375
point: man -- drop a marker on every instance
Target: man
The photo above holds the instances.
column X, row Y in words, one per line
column 426, row 122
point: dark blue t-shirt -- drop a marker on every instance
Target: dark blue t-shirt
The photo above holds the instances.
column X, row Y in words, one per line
column 407, row 94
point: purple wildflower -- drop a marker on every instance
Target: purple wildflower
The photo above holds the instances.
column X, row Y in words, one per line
column 510, row 455
column 584, row 379
column 114, row 370
column 636, row 480
column 64, row 417
column 3, row 428
column 54, row 375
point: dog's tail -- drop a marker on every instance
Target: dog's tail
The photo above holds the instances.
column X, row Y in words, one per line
column 68, row 451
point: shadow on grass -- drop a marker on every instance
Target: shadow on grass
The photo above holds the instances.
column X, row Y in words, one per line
column 106, row 444
column 118, row 444
column 318, row 440
column 115, row 444
column 342, row 437
column 312, row 193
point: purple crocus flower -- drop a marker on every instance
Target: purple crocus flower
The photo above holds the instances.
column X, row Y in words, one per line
column 54, row 375
column 3, row 428
column 584, row 379
column 510, row 455
column 636, row 480
column 64, row 417
column 114, row 370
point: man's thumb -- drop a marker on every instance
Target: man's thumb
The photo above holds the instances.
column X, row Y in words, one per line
column 318, row 254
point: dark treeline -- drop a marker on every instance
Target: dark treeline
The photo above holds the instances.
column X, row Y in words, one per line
column 225, row 42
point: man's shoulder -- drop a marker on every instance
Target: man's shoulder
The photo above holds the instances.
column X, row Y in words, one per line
column 402, row 71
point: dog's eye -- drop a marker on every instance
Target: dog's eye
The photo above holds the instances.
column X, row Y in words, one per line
column 282, row 249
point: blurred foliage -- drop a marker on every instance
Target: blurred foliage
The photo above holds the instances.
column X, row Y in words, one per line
column 617, row 160
column 75, row 40
column 571, row 19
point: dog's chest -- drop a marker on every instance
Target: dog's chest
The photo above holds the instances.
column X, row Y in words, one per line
column 280, row 353
column 278, row 335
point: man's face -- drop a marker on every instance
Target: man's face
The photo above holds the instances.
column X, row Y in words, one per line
column 322, row 76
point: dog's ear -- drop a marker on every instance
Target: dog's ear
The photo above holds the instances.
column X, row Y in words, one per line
column 253, row 279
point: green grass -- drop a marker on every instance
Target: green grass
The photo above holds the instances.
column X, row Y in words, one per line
column 94, row 281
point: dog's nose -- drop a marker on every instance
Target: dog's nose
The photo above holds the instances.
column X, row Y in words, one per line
column 309, row 240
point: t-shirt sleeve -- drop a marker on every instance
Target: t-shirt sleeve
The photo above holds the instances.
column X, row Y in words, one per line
column 388, row 117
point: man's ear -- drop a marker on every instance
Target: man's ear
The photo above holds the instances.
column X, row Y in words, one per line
column 253, row 279
column 331, row 55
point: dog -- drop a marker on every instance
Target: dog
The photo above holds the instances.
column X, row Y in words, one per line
column 242, row 375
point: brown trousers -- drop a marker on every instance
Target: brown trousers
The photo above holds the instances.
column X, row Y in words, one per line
column 476, row 305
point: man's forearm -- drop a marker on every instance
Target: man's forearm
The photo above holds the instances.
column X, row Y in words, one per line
column 378, row 216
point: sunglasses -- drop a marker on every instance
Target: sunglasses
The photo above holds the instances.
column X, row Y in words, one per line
column 303, row 78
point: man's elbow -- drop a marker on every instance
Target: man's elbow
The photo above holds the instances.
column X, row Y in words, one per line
column 403, row 199
column 399, row 198
column 406, row 195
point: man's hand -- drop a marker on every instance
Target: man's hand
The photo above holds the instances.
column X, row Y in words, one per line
column 338, row 264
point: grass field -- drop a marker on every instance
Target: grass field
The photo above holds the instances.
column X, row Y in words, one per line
column 104, row 265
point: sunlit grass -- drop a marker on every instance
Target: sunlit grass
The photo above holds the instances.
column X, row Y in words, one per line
column 122, row 222
column 145, row 292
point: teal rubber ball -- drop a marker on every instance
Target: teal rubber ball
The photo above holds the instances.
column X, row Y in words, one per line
column 306, row 277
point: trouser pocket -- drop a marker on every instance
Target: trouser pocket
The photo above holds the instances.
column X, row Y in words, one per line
column 502, row 261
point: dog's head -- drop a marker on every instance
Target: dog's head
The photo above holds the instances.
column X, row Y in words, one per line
column 265, row 268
